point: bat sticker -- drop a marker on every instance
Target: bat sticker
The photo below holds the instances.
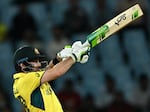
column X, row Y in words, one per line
column 119, row 19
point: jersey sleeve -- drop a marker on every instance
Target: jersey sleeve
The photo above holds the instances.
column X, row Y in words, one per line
column 30, row 82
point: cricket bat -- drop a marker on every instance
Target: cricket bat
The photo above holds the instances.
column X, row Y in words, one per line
column 114, row 25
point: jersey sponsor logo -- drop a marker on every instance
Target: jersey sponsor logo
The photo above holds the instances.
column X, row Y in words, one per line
column 37, row 74
column 48, row 90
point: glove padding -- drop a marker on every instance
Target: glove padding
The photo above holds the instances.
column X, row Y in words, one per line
column 65, row 52
column 79, row 52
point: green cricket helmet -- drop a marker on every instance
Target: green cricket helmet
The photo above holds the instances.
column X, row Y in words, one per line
column 26, row 54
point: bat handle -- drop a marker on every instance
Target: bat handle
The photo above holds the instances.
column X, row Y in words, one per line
column 86, row 44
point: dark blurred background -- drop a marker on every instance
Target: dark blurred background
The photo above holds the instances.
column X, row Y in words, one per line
column 116, row 77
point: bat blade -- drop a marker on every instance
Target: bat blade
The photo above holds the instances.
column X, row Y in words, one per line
column 114, row 25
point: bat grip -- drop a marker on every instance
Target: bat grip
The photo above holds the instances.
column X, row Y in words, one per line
column 86, row 44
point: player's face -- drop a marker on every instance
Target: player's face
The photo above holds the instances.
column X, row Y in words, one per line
column 35, row 65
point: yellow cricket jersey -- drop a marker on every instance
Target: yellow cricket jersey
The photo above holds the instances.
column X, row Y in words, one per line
column 34, row 96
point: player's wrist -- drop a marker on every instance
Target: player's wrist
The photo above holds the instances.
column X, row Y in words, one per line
column 55, row 60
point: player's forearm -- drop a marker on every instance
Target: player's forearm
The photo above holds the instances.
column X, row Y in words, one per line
column 63, row 66
column 57, row 70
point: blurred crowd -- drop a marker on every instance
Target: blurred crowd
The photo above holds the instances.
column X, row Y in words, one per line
column 116, row 78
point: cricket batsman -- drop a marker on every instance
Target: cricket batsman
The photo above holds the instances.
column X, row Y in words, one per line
column 33, row 72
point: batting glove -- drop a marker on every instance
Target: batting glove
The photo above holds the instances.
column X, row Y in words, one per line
column 79, row 52
column 64, row 53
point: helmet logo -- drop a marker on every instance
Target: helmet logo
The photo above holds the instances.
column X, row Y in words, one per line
column 36, row 51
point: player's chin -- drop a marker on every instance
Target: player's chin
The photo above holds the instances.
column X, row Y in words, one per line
column 36, row 69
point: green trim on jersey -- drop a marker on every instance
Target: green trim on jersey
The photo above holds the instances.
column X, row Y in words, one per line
column 36, row 99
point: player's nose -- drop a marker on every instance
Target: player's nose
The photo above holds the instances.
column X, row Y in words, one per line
column 37, row 64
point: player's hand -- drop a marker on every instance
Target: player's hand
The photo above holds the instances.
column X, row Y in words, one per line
column 85, row 58
column 65, row 52
column 80, row 53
